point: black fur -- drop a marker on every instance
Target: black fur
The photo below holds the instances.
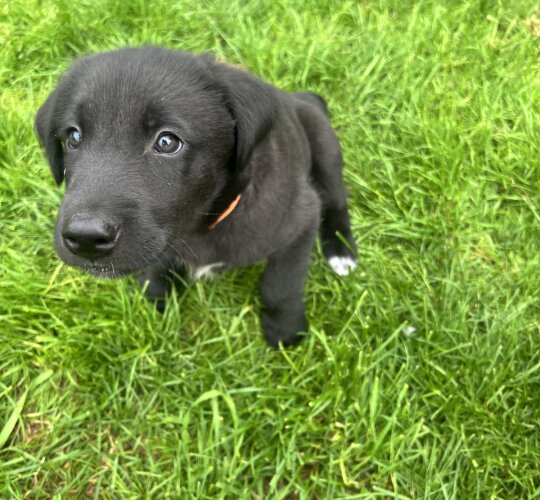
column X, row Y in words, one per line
column 128, row 209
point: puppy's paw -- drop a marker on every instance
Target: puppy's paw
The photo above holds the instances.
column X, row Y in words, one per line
column 342, row 265
column 340, row 256
column 156, row 289
column 285, row 327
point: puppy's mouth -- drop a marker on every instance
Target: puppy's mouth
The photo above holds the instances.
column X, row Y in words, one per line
column 107, row 272
column 118, row 264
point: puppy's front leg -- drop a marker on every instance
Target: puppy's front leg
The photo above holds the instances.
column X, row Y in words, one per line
column 282, row 286
column 160, row 283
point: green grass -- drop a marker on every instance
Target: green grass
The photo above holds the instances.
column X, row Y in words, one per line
column 437, row 105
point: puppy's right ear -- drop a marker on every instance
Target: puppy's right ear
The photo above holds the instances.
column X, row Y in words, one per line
column 48, row 135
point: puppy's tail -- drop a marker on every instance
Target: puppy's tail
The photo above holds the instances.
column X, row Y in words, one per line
column 315, row 100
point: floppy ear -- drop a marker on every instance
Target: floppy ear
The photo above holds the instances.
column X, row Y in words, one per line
column 254, row 107
column 47, row 133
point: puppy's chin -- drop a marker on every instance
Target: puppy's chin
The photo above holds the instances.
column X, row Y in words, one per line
column 107, row 272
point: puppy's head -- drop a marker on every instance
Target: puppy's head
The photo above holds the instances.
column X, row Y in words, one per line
column 149, row 142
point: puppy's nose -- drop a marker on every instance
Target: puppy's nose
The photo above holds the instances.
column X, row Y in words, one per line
column 89, row 236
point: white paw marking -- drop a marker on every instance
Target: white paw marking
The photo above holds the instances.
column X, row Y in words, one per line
column 206, row 271
column 342, row 265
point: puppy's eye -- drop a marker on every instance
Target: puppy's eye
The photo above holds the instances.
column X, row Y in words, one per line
column 74, row 138
column 168, row 143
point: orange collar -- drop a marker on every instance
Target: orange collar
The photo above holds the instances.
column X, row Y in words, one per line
column 227, row 212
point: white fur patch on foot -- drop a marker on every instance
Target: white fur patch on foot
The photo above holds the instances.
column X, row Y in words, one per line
column 342, row 265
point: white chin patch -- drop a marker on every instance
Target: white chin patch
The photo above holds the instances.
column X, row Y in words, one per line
column 342, row 265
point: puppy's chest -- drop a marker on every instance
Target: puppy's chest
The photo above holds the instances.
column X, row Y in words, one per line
column 205, row 258
column 206, row 271
column 205, row 255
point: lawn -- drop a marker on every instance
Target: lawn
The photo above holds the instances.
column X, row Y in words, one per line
column 420, row 377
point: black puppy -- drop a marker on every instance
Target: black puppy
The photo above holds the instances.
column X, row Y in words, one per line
column 176, row 162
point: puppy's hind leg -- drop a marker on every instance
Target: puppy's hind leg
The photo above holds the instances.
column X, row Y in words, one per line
column 327, row 164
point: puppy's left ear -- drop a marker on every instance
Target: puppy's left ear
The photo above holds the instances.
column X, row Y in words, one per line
column 254, row 107
column 47, row 133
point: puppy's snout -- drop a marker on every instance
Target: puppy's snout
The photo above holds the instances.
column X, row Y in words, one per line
column 89, row 236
